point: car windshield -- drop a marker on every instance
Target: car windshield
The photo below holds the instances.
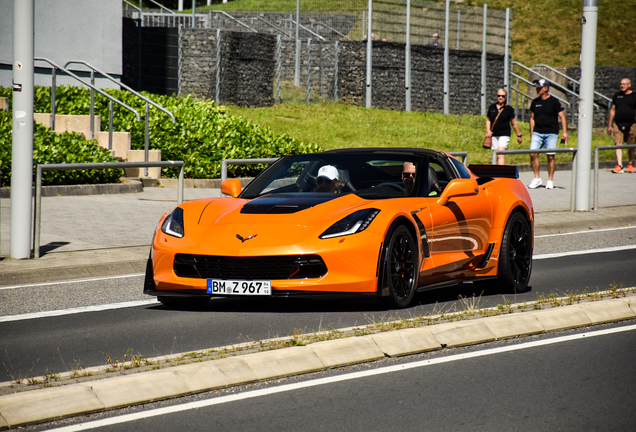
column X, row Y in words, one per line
column 370, row 175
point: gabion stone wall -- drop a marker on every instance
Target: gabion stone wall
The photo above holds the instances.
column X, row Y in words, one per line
column 198, row 62
column 606, row 81
column 427, row 77
column 247, row 66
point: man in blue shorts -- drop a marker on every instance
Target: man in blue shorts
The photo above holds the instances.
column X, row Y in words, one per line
column 544, row 128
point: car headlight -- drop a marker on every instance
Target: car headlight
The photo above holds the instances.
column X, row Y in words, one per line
column 173, row 224
column 354, row 223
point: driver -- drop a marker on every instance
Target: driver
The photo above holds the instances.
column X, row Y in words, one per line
column 408, row 176
column 328, row 179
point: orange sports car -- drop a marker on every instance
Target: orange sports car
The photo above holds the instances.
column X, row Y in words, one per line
column 369, row 222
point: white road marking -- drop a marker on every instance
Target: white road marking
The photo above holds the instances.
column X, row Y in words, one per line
column 583, row 252
column 585, row 232
column 72, row 281
column 330, row 380
column 97, row 308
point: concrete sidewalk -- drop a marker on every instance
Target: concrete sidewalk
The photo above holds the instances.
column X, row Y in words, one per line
column 104, row 235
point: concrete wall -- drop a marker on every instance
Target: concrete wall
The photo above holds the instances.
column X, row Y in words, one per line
column 89, row 30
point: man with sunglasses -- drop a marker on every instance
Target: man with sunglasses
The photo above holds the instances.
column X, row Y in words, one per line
column 545, row 113
column 327, row 179
column 500, row 117
column 408, row 176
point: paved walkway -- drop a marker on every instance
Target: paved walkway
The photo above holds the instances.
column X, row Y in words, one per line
column 101, row 235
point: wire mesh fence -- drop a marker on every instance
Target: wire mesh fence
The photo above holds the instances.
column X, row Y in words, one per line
column 331, row 20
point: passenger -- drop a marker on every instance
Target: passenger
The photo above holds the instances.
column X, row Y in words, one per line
column 328, row 179
column 408, row 176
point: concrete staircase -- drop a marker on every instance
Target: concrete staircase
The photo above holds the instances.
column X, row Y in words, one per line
column 121, row 149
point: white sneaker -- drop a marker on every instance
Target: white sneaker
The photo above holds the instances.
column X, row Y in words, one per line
column 549, row 185
column 535, row 183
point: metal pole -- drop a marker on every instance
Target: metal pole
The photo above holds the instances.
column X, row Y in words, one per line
column 369, row 57
column 459, row 22
column 147, row 138
column 92, row 127
column 483, row 62
column 279, row 65
column 335, row 75
column 446, row 72
column 22, row 140
column 364, row 24
column 586, row 103
column 217, row 95
column 110, row 125
column 194, row 23
column 407, row 55
column 297, row 70
column 308, row 70
column 53, row 96
column 507, row 54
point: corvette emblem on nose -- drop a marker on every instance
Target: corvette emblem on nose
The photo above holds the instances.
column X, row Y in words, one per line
column 243, row 240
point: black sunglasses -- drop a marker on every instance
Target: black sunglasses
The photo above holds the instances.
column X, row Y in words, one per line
column 406, row 175
column 321, row 180
column 503, row 96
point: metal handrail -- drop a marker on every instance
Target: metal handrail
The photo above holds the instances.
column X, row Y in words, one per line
column 253, row 161
column 556, row 150
column 305, row 28
column 232, row 18
column 532, row 84
column 333, row 30
column 130, row 4
column 142, row 97
column 561, row 74
column 162, row 7
column 103, row 165
column 596, row 150
column 464, row 156
column 91, row 86
column 274, row 26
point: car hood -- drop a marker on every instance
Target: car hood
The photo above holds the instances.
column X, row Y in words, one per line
column 284, row 222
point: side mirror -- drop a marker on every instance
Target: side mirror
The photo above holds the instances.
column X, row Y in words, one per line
column 458, row 188
column 231, row 187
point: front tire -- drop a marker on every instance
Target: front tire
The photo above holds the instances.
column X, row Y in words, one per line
column 400, row 266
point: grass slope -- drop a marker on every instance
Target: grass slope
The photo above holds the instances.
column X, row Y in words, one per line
column 335, row 125
column 543, row 31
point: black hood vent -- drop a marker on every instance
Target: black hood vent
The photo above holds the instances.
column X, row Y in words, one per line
column 286, row 203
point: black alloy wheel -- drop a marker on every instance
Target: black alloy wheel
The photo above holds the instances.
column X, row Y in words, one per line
column 401, row 266
column 515, row 262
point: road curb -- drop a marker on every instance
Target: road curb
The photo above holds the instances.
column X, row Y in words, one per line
column 42, row 405
column 64, row 273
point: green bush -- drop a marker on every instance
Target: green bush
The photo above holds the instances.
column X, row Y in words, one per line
column 203, row 135
column 49, row 147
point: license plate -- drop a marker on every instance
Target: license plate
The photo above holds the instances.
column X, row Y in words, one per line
column 239, row 287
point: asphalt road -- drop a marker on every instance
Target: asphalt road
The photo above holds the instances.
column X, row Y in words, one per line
column 578, row 380
column 32, row 345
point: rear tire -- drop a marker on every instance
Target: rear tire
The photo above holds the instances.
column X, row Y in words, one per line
column 400, row 266
column 515, row 257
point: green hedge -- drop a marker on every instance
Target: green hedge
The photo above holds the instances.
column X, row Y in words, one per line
column 202, row 136
column 49, row 147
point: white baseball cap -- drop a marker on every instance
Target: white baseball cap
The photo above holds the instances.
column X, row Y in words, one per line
column 328, row 171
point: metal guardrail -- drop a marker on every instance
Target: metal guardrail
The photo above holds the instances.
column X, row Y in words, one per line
column 103, row 165
column 253, row 161
column 110, row 120
column 89, row 85
column 556, row 150
column 596, row 151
